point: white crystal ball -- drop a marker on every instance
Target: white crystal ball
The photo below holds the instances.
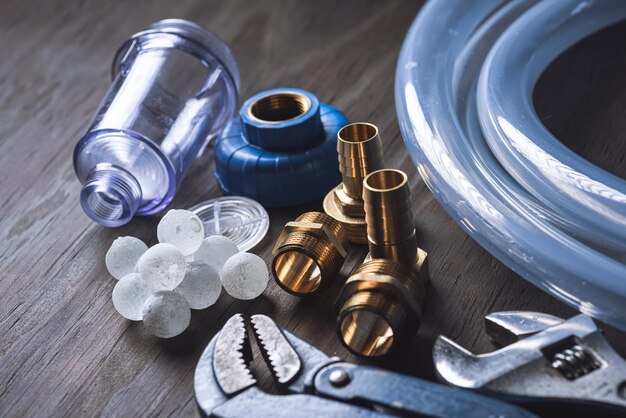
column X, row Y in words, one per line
column 182, row 229
column 163, row 266
column 215, row 250
column 201, row 286
column 166, row 314
column 122, row 257
column 129, row 295
column 245, row 276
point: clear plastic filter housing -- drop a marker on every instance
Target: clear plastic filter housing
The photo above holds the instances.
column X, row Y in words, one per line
column 464, row 85
column 175, row 85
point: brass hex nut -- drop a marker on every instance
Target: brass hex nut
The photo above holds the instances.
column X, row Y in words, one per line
column 421, row 267
column 348, row 205
column 354, row 225
column 401, row 282
column 316, row 229
column 309, row 253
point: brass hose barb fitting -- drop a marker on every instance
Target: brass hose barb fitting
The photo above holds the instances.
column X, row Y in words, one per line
column 390, row 227
column 380, row 306
column 360, row 152
column 309, row 253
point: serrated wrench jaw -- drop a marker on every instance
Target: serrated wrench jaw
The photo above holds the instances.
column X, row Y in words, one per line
column 280, row 356
column 232, row 356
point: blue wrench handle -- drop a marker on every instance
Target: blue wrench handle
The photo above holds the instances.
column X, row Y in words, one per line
column 408, row 396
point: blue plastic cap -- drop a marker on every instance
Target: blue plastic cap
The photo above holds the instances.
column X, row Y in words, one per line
column 281, row 153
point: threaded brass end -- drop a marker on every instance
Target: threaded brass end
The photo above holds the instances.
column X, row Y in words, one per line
column 354, row 225
column 380, row 305
column 363, row 325
column 389, row 217
column 309, row 253
column 330, row 223
column 279, row 107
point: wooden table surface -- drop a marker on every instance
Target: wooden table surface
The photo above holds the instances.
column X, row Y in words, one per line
column 63, row 348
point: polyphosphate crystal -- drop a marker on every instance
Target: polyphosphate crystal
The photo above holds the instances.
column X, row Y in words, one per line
column 129, row 295
column 245, row 276
column 201, row 286
column 215, row 250
column 163, row 266
column 122, row 257
column 166, row 314
column 182, row 229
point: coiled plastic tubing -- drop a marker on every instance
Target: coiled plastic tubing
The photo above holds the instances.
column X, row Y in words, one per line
column 464, row 85
column 281, row 150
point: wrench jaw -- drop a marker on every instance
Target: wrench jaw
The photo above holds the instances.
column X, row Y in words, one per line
column 223, row 381
column 232, row 357
column 455, row 365
column 569, row 360
column 279, row 355
column 458, row 366
column 207, row 391
column 508, row 327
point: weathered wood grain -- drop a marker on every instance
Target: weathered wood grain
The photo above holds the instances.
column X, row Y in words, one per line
column 64, row 351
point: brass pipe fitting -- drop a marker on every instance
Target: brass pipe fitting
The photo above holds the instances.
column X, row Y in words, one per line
column 309, row 253
column 390, row 227
column 360, row 152
column 380, row 306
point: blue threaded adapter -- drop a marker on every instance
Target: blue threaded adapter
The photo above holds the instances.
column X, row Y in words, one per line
column 282, row 150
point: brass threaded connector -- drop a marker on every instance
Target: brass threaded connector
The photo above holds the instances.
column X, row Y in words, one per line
column 379, row 306
column 360, row 152
column 390, row 227
column 309, row 253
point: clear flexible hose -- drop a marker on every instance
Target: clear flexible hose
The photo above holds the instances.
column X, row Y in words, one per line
column 439, row 108
column 582, row 192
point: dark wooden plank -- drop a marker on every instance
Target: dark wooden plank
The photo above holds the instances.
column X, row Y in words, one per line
column 64, row 350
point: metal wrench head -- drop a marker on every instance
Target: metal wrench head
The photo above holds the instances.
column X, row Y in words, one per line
column 233, row 356
column 569, row 359
column 223, row 370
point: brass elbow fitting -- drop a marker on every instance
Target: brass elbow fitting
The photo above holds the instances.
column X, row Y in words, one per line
column 390, row 227
column 380, row 306
column 360, row 152
column 309, row 253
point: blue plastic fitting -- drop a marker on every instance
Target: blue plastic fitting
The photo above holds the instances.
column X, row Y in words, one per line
column 281, row 150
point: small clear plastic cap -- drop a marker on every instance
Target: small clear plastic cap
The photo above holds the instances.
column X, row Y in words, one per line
column 241, row 219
